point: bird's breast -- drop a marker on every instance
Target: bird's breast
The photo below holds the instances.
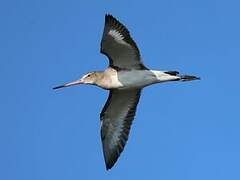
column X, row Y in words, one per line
column 110, row 80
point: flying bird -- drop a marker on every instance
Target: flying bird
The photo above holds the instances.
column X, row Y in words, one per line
column 125, row 77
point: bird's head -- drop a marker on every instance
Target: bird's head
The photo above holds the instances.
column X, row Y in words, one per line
column 89, row 78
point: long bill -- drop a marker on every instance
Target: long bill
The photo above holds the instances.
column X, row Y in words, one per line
column 69, row 84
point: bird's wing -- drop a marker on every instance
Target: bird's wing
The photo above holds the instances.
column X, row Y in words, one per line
column 119, row 47
column 116, row 118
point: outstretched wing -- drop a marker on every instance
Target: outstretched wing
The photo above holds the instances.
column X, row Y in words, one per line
column 119, row 47
column 116, row 119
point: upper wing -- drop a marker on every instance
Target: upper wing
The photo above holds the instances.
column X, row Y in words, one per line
column 116, row 119
column 119, row 47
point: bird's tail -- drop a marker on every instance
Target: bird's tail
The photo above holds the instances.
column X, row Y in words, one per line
column 188, row 78
column 182, row 77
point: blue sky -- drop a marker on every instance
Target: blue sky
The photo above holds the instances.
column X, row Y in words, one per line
column 182, row 131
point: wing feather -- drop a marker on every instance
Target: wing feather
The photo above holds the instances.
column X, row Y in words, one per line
column 116, row 119
column 119, row 47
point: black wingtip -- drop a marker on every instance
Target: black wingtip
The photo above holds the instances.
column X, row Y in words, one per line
column 109, row 166
column 107, row 16
column 109, row 163
column 110, row 19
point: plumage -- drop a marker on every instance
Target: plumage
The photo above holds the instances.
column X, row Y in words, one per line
column 119, row 47
column 125, row 77
column 116, row 119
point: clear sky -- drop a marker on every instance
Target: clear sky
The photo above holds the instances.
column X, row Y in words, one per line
column 182, row 131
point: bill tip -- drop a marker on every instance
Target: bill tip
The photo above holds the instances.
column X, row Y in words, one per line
column 58, row 87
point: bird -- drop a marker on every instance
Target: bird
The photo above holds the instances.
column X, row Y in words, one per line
column 124, row 78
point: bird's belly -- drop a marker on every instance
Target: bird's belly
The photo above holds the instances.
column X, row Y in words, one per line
column 136, row 79
column 135, row 84
column 127, row 79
